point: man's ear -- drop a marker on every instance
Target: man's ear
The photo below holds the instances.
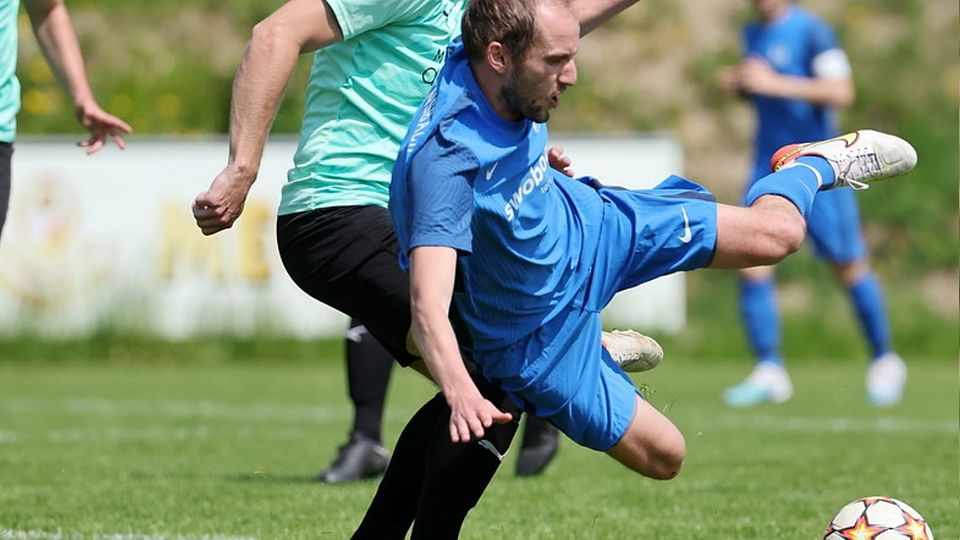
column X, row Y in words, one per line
column 497, row 57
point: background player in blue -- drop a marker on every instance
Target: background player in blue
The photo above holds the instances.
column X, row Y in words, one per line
column 534, row 256
column 795, row 72
column 54, row 29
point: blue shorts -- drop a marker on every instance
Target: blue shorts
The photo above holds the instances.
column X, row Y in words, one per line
column 833, row 225
column 561, row 372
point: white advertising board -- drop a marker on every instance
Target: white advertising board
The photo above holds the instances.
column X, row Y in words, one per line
column 108, row 242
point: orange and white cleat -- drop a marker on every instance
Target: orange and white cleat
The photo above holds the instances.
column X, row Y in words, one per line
column 857, row 158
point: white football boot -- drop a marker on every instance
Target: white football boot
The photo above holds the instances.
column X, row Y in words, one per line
column 767, row 383
column 632, row 351
column 885, row 380
column 857, row 158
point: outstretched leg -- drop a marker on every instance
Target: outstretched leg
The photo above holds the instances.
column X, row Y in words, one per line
column 773, row 224
column 769, row 229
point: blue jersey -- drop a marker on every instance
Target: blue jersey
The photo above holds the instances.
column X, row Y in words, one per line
column 525, row 252
column 791, row 44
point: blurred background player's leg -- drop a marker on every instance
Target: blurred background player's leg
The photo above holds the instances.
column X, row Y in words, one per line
column 887, row 373
column 368, row 375
column 836, row 234
column 760, row 315
column 539, row 446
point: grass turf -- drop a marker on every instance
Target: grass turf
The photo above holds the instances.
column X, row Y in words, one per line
column 174, row 450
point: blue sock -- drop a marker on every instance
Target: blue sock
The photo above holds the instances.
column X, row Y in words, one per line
column 797, row 183
column 867, row 297
column 761, row 318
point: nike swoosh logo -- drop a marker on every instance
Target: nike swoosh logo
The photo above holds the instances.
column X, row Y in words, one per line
column 687, row 234
column 849, row 138
column 491, row 169
column 356, row 333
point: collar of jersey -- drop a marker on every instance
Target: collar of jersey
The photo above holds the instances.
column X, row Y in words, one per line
column 487, row 112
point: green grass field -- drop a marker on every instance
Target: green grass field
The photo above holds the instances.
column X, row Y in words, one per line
column 182, row 451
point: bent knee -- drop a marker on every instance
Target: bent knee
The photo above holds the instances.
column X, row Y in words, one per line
column 795, row 230
column 783, row 237
column 669, row 459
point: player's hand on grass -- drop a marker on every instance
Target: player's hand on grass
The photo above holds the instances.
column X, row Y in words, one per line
column 471, row 414
column 559, row 161
column 219, row 207
column 101, row 125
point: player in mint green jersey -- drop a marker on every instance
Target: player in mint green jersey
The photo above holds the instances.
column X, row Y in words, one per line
column 373, row 63
column 54, row 31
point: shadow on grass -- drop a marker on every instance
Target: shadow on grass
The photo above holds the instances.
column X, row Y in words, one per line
column 259, row 478
column 244, row 478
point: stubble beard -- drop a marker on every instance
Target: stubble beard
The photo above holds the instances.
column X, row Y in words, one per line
column 513, row 96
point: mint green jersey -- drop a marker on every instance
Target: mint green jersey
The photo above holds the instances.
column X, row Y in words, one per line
column 9, row 85
column 361, row 96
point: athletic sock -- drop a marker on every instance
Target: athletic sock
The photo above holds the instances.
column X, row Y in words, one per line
column 430, row 480
column 761, row 318
column 392, row 510
column 823, row 167
column 866, row 295
column 458, row 474
column 368, row 375
column 797, row 182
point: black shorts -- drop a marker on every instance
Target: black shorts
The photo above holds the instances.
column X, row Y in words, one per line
column 6, row 153
column 348, row 258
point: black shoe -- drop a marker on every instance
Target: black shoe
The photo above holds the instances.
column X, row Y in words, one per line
column 540, row 442
column 358, row 459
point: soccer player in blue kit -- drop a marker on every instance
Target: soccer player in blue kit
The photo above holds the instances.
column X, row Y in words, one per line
column 533, row 256
column 794, row 72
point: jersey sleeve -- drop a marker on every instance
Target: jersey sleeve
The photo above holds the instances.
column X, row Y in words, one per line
column 441, row 195
column 358, row 16
column 827, row 58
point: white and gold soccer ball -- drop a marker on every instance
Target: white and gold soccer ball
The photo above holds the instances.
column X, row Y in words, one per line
column 878, row 518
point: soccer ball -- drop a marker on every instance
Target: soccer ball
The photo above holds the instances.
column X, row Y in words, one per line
column 878, row 518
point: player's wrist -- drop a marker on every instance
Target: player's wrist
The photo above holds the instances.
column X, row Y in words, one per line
column 243, row 172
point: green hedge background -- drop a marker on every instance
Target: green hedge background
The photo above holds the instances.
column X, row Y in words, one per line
column 167, row 68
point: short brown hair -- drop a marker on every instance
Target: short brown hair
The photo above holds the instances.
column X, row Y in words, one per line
column 511, row 22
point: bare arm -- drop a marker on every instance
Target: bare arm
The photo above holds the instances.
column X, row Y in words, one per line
column 593, row 13
column 756, row 76
column 432, row 274
column 297, row 27
column 58, row 41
